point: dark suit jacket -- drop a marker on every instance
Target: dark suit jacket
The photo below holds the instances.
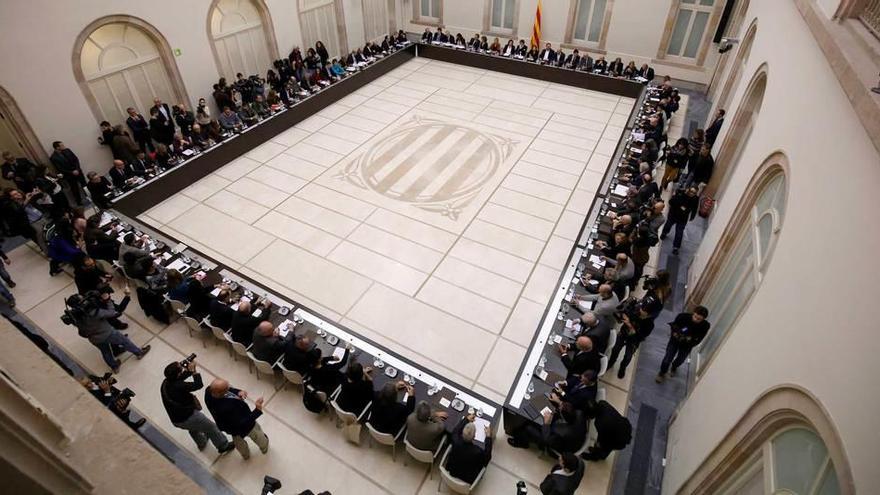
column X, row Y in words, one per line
column 466, row 460
column 599, row 335
column 296, row 359
column 615, row 68
column 167, row 123
column 66, row 162
column 557, row 483
column 232, row 415
column 647, row 74
column 577, row 394
column 390, row 418
column 551, row 57
column 685, row 330
column 573, row 61
column 243, row 326
column 613, row 431
column 119, row 177
column 139, row 127
column 221, row 315
column 269, row 348
column 576, row 362
column 355, row 396
column 562, row 436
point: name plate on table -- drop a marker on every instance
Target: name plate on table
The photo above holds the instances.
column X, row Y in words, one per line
column 444, row 402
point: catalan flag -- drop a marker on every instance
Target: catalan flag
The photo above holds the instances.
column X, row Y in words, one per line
column 536, row 30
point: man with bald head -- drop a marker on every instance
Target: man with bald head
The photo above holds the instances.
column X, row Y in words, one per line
column 244, row 322
column 597, row 329
column 233, row 416
column 121, row 173
column 606, row 302
column 267, row 343
column 582, row 358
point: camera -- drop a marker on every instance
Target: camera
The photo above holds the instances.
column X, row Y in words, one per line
column 187, row 360
column 77, row 307
column 107, row 377
column 521, row 488
column 270, row 485
column 125, row 394
column 650, row 283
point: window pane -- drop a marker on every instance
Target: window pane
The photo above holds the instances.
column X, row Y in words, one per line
column 707, row 2
column 729, row 273
column 688, row 1
column 583, row 14
column 435, row 8
column 798, row 455
column 696, row 36
column 737, row 297
column 753, row 486
column 765, row 234
column 597, row 20
column 497, row 7
column 679, row 31
column 508, row 14
column 830, row 485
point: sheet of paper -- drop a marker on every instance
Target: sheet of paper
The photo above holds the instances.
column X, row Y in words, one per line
column 557, row 339
column 620, row 190
column 257, row 313
column 444, row 402
column 180, row 247
column 546, row 410
column 542, row 375
column 215, row 292
column 481, row 425
column 105, row 219
column 338, row 352
column 178, row 265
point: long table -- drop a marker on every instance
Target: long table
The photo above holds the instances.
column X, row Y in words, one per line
column 137, row 200
column 442, row 394
column 530, row 392
column 429, row 386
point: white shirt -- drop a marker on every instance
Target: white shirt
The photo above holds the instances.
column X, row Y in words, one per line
column 546, row 54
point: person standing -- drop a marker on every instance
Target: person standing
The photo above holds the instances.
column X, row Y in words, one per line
column 184, row 409
column 636, row 327
column 140, row 130
column 715, row 127
column 67, row 164
column 21, row 171
column 565, row 477
column 165, row 121
column 687, row 331
column 96, row 324
column 233, row 416
column 683, row 208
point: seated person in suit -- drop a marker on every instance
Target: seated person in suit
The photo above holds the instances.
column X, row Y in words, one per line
column 521, row 50
column 560, row 58
column 576, row 390
column 646, row 72
column 268, row 345
column 219, row 312
column 573, row 60
column 606, row 302
column 131, row 250
column 388, row 415
column 326, row 373
column 533, row 54
column 460, row 42
column 586, row 63
column 509, row 49
column 99, row 187
column 357, row 389
column 121, row 174
column 597, row 329
column 484, row 44
column 474, row 42
column 244, row 323
column 564, row 430
column 229, row 120
column 565, row 477
column 600, row 66
column 547, row 55
column 424, row 429
column 615, row 68
column 613, row 431
column 582, row 358
column 299, row 355
column 466, row 459
column 164, row 157
column 630, row 70
column 142, row 164
column 440, row 36
column 427, row 36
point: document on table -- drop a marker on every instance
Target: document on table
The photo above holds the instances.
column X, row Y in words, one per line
column 338, row 352
column 621, row 190
column 105, row 219
column 444, row 402
column 178, row 265
column 481, row 425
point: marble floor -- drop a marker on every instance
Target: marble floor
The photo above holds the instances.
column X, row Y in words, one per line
column 430, row 211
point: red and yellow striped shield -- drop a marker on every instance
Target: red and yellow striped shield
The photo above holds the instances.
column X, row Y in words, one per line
column 536, row 30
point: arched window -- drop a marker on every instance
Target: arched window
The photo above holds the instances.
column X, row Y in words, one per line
column 739, row 65
column 738, row 134
column 242, row 37
column 798, row 463
column 743, row 255
column 123, row 62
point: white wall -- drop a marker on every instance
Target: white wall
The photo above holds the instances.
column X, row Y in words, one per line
column 812, row 321
column 38, row 71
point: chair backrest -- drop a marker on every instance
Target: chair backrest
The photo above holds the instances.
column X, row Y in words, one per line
column 177, row 306
column 218, row 332
column 418, row 454
column 345, row 416
column 293, row 376
column 383, row 438
column 192, row 323
column 238, row 347
column 603, row 365
column 454, row 484
column 612, row 339
column 264, row 366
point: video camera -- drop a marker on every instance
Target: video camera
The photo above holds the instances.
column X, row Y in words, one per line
column 77, row 307
column 270, row 485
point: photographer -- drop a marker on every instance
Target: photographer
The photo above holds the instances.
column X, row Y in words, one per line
column 184, row 409
column 91, row 314
column 101, row 387
column 637, row 325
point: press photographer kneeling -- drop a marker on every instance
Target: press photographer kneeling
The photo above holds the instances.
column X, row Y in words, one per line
column 184, row 408
column 116, row 400
column 94, row 315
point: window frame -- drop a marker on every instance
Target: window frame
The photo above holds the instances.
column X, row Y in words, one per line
column 500, row 31
column 719, row 268
column 584, row 45
column 427, row 20
column 675, row 7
